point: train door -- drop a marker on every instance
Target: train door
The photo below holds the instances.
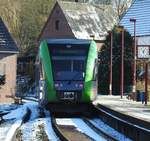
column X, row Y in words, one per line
column 40, row 80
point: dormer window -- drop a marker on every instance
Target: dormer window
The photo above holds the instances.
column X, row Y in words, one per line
column 57, row 24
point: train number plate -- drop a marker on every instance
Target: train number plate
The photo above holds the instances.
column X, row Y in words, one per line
column 69, row 95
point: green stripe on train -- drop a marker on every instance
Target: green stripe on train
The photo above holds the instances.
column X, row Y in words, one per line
column 92, row 55
column 44, row 54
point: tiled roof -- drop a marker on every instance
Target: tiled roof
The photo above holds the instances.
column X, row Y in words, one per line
column 86, row 20
column 7, row 43
column 140, row 10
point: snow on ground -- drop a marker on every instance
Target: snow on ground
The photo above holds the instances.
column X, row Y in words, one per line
column 104, row 127
column 81, row 126
column 12, row 120
column 36, row 129
column 12, row 130
column 65, row 121
column 27, row 129
column 8, row 107
column 16, row 114
column 4, row 128
column 36, row 126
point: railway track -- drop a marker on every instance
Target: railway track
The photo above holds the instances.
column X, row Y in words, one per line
column 133, row 128
column 71, row 132
column 57, row 130
column 115, row 127
column 75, row 125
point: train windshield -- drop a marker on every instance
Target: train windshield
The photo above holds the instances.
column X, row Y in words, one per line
column 68, row 64
column 68, row 69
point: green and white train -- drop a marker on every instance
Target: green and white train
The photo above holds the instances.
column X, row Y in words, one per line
column 68, row 70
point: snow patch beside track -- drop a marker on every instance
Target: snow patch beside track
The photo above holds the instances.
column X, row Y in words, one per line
column 19, row 116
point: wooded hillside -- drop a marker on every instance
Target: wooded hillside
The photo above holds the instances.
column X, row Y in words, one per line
column 24, row 19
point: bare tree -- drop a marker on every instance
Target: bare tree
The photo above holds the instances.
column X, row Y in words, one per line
column 24, row 19
column 121, row 6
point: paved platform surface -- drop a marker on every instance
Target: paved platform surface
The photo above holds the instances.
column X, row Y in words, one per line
column 125, row 106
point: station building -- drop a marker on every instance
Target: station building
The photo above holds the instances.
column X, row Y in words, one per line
column 8, row 65
column 137, row 21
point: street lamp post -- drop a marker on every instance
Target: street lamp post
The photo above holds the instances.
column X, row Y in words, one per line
column 110, row 65
column 134, row 62
column 122, row 64
column 146, row 82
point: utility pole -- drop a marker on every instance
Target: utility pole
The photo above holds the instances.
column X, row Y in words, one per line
column 134, row 63
column 146, row 82
column 110, row 65
column 122, row 65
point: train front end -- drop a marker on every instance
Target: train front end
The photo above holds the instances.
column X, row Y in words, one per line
column 69, row 69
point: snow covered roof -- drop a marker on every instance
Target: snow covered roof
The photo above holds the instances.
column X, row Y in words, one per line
column 7, row 43
column 86, row 20
column 140, row 10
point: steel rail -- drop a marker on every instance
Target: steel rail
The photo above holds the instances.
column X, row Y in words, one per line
column 107, row 136
column 57, row 130
column 127, row 125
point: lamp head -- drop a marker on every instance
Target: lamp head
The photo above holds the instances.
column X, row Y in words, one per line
column 132, row 20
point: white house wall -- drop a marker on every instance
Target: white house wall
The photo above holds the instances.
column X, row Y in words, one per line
column 144, row 41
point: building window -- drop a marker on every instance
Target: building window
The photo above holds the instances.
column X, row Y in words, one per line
column 57, row 24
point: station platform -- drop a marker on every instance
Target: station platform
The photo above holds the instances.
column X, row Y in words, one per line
column 125, row 106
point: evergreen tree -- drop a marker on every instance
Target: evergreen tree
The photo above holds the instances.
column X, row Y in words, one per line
column 104, row 56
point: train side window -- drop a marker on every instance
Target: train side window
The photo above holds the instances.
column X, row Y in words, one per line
column 57, row 24
column 95, row 71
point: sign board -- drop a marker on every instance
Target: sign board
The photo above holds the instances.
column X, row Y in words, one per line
column 143, row 52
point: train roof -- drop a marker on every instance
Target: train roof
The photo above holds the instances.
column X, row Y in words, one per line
column 68, row 41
